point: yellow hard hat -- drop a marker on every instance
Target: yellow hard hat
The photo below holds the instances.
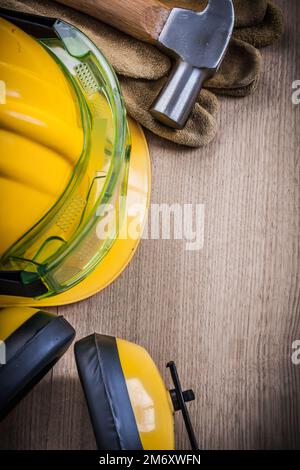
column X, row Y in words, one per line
column 129, row 404
column 41, row 136
column 65, row 149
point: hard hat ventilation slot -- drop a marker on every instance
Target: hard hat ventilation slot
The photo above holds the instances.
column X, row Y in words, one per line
column 71, row 214
column 87, row 78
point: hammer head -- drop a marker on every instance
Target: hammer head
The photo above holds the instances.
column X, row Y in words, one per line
column 198, row 41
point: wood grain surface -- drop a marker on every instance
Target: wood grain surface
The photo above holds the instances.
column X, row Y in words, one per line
column 228, row 314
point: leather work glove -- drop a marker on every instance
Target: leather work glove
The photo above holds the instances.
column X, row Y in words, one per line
column 143, row 69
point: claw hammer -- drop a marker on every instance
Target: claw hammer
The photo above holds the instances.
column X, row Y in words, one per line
column 196, row 40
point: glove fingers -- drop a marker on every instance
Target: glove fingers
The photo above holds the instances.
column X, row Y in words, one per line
column 249, row 12
column 209, row 101
column 200, row 129
column 239, row 71
column 127, row 55
column 237, row 92
column 19, row 6
column 266, row 32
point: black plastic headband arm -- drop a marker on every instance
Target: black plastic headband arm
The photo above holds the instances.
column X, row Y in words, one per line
column 11, row 283
column 179, row 399
column 36, row 25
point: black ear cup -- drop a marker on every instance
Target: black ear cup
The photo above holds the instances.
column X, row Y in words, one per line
column 31, row 350
column 104, row 386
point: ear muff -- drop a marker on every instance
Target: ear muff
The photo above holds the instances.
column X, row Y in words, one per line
column 33, row 341
column 129, row 405
column 105, row 390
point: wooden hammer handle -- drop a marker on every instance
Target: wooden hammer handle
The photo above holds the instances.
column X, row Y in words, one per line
column 143, row 19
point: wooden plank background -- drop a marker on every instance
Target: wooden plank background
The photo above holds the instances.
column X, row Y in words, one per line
column 227, row 314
